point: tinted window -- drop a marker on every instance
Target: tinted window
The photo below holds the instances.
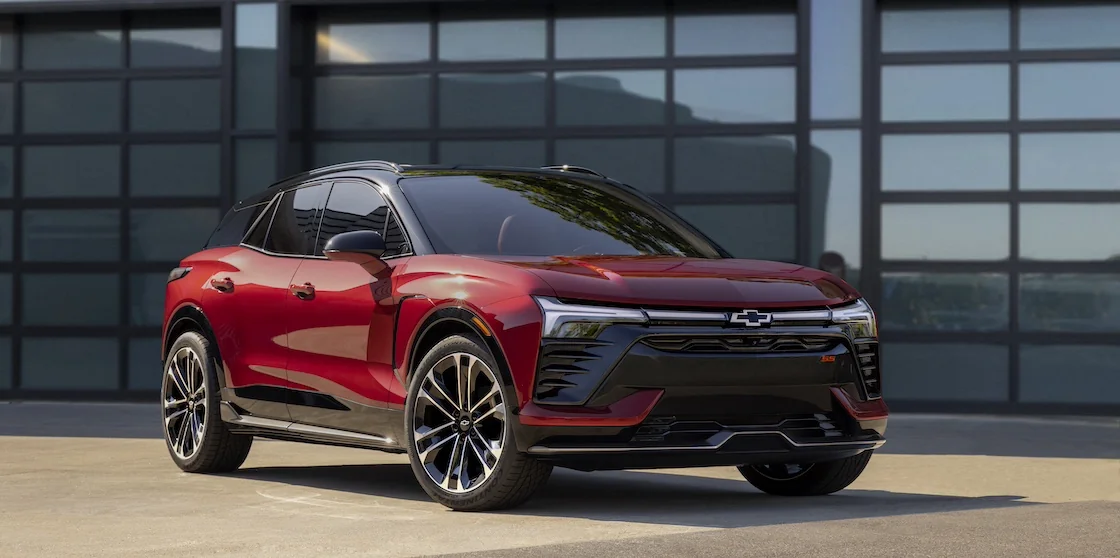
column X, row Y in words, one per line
column 355, row 206
column 532, row 215
column 234, row 225
column 257, row 236
column 296, row 223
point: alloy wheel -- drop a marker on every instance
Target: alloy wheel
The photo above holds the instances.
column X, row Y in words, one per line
column 459, row 423
column 184, row 403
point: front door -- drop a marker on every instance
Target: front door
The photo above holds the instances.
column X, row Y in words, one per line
column 340, row 324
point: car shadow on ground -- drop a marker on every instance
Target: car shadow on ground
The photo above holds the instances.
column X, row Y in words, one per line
column 634, row 496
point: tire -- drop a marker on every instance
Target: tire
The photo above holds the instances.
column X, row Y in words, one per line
column 218, row 451
column 434, row 435
column 815, row 479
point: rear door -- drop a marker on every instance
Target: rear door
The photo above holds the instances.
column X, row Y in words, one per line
column 340, row 330
column 245, row 301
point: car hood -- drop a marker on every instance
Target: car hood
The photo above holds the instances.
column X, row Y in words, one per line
column 686, row 282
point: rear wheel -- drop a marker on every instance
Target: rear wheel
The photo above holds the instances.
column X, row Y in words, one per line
column 806, row 479
column 461, row 447
column 196, row 437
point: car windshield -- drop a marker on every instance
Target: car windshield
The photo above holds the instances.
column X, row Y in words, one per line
column 536, row 215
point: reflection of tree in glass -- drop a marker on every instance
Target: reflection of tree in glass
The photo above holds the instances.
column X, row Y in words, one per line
column 594, row 209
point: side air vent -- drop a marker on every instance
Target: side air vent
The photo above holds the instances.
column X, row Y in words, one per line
column 564, row 364
column 868, row 356
column 740, row 344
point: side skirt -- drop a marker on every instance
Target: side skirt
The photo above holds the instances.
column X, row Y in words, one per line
column 297, row 432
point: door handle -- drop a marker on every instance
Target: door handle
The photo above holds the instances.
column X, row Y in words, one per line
column 305, row 291
column 223, row 285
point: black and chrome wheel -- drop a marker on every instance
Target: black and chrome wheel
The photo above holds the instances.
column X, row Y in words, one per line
column 461, row 445
column 196, row 437
column 806, row 479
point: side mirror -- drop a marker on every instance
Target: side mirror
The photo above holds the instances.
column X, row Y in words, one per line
column 361, row 247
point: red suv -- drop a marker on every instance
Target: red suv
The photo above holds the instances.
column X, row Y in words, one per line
column 495, row 322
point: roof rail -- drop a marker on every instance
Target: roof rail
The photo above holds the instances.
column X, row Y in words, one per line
column 371, row 164
column 573, row 168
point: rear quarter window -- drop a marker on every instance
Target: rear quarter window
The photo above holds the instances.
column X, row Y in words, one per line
column 235, row 225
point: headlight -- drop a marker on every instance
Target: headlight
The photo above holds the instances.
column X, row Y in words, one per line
column 857, row 319
column 583, row 321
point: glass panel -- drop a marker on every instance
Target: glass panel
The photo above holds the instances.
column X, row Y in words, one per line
column 1054, row 27
column 371, row 102
column 85, row 364
column 942, row 92
column 6, row 236
column 635, row 161
column 835, row 196
column 1069, row 231
column 6, row 301
column 731, row 34
column 5, row 360
column 72, row 42
column 255, row 35
column 945, row 231
column 1088, row 374
column 71, row 107
column 176, row 38
column 144, row 370
column 724, row 224
column 610, row 37
column 170, row 234
column 354, row 206
column 1069, row 161
column 7, row 168
column 164, row 170
column 1069, row 302
column 524, row 153
column 175, row 105
column 1069, row 90
column 836, row 58
column 942, row 162
column 296, row 223
column 945, row 302
column 254, row 166
column 333, row 152
column 608, row 98
column 521, row 39
column 491, row 100
column 946, row 372
column 55, row 171
column 373, row 43
column 146, row 294
column 946, row 30
column 7, row 107
column 740, row 165
column 7, row 45
column 72, row 299
column 71, row 235
column 730, row 96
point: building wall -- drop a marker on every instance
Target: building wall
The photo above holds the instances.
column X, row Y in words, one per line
column 950, row 160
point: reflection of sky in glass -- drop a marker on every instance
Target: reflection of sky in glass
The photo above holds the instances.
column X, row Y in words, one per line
column 942, row 92
column 946, row 30
column 1069, row 90
column 256, row 26
column 738, row 95
column 841, row 155
column 610, row 37
column 371, row 43
column 642, row 83
column 730, row 34
column 492, row 40
column 836, row 46
column 940, row 162
column 1069, row 161
column 209, row 40
column 1046, row 27
column 980, row 231
column 1069, row 231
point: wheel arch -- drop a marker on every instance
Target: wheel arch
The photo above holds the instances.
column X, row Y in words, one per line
column 190, row 318
column 445, row 322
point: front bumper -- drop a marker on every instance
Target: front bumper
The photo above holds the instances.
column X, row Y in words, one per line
column 640, row 397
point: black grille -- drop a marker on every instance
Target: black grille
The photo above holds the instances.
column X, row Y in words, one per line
column 740, row 344
column 868, row 356
column 562, row 363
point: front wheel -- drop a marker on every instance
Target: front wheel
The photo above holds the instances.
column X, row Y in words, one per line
column 461, row 447
column 806, row 479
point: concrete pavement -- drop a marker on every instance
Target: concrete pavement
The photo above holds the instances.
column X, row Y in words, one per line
column 95, row 480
